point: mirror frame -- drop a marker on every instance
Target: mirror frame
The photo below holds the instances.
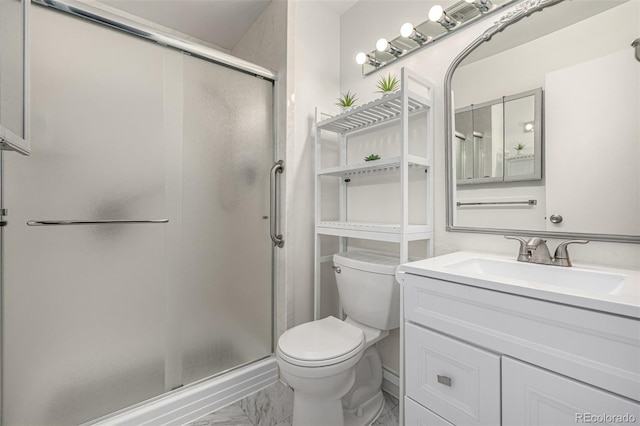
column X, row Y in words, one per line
column 521, row 11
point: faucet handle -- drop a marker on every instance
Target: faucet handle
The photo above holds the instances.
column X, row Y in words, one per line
column 523, row 253
column 523, row 242
column 563, row 253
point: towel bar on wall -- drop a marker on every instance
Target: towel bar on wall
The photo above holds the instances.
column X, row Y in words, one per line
column 487, row 203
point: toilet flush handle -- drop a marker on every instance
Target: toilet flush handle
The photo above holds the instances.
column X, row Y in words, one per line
column 337, row 269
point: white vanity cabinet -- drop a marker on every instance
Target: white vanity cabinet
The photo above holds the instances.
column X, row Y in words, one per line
column 476, row 356
column 533, row 396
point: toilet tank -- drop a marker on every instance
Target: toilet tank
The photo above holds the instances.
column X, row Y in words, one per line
column 368, row 289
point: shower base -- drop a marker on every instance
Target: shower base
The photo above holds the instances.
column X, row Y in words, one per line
column 185, row 405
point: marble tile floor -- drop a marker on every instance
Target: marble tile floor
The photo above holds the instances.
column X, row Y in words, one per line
column 273, row 406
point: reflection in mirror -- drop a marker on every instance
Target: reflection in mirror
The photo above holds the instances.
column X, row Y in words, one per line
column 500, row 140
column 482, row 140
column 522, row 136
column 13, row 73
column 591, row 83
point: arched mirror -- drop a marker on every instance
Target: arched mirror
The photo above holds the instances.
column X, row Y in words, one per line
column 543, row 128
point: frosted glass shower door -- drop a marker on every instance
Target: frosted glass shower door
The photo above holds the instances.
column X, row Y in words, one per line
column 228, row 151
column 97, row 318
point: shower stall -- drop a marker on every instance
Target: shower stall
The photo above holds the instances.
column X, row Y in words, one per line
column 137, row 257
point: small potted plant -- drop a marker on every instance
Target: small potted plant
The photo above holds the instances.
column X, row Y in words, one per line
column 347, row 101
column 388, row 84
column 519, row 147
column 372, row 157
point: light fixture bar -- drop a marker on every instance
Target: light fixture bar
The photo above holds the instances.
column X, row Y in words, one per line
column 482, row 5
column 426, row 33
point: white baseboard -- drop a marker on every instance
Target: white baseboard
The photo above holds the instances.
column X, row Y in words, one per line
column 390, row 382
column 186, row 405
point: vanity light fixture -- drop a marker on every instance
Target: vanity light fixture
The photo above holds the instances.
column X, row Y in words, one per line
column 363, row 58
column 408, row 30
column 437, row 14
column 382, row 45
column 440, row 23
column 482, row 5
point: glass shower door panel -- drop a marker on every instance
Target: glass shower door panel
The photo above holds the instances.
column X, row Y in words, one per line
column 84, row 305
column 228, row 152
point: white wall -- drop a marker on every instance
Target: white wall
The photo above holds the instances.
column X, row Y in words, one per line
column 314, row 81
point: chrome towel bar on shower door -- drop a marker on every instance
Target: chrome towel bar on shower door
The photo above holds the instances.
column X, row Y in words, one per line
column 498, row 203
column 91, row 222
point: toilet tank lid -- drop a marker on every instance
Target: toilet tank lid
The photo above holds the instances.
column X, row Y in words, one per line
column 367, row 261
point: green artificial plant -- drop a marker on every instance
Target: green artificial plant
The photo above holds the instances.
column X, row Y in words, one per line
column 388, row 84
column 347, row 100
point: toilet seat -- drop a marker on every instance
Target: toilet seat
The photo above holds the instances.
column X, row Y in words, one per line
column 321, row 343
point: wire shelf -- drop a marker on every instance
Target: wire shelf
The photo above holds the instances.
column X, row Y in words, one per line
column 383, row 110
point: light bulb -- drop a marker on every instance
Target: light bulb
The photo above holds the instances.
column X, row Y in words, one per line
column 435, row 13
column 382, row 44
column 361, row 58
column 406, row 30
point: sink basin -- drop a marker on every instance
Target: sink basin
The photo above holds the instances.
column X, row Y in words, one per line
column 587, row 286
column 576, row 278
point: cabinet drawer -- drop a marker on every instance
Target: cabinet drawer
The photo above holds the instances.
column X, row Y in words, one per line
column 455, row 380
column 416, row 414
column 533, row 396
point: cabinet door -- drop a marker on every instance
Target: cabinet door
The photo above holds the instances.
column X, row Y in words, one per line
column 457, row 381
column 533, row 396
column 416, row 415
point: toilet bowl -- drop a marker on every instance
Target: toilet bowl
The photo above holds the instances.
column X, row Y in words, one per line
column 333, row 365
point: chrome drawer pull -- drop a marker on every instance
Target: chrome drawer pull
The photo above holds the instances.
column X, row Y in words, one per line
column 444, row 380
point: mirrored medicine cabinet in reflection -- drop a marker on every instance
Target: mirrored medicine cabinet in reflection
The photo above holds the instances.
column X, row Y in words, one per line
column 499, row 140
column 14, row 76
column 570, row 167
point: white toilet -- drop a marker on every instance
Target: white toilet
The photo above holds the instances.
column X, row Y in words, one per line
column 332, row 365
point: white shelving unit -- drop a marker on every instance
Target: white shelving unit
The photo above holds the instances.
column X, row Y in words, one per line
column 414, row 97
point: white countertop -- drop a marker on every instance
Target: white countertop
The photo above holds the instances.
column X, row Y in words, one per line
column 622, row 299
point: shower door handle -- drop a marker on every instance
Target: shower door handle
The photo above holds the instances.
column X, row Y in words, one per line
column 277, row 168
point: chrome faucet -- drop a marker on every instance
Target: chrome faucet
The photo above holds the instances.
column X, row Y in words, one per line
column 536, row 251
